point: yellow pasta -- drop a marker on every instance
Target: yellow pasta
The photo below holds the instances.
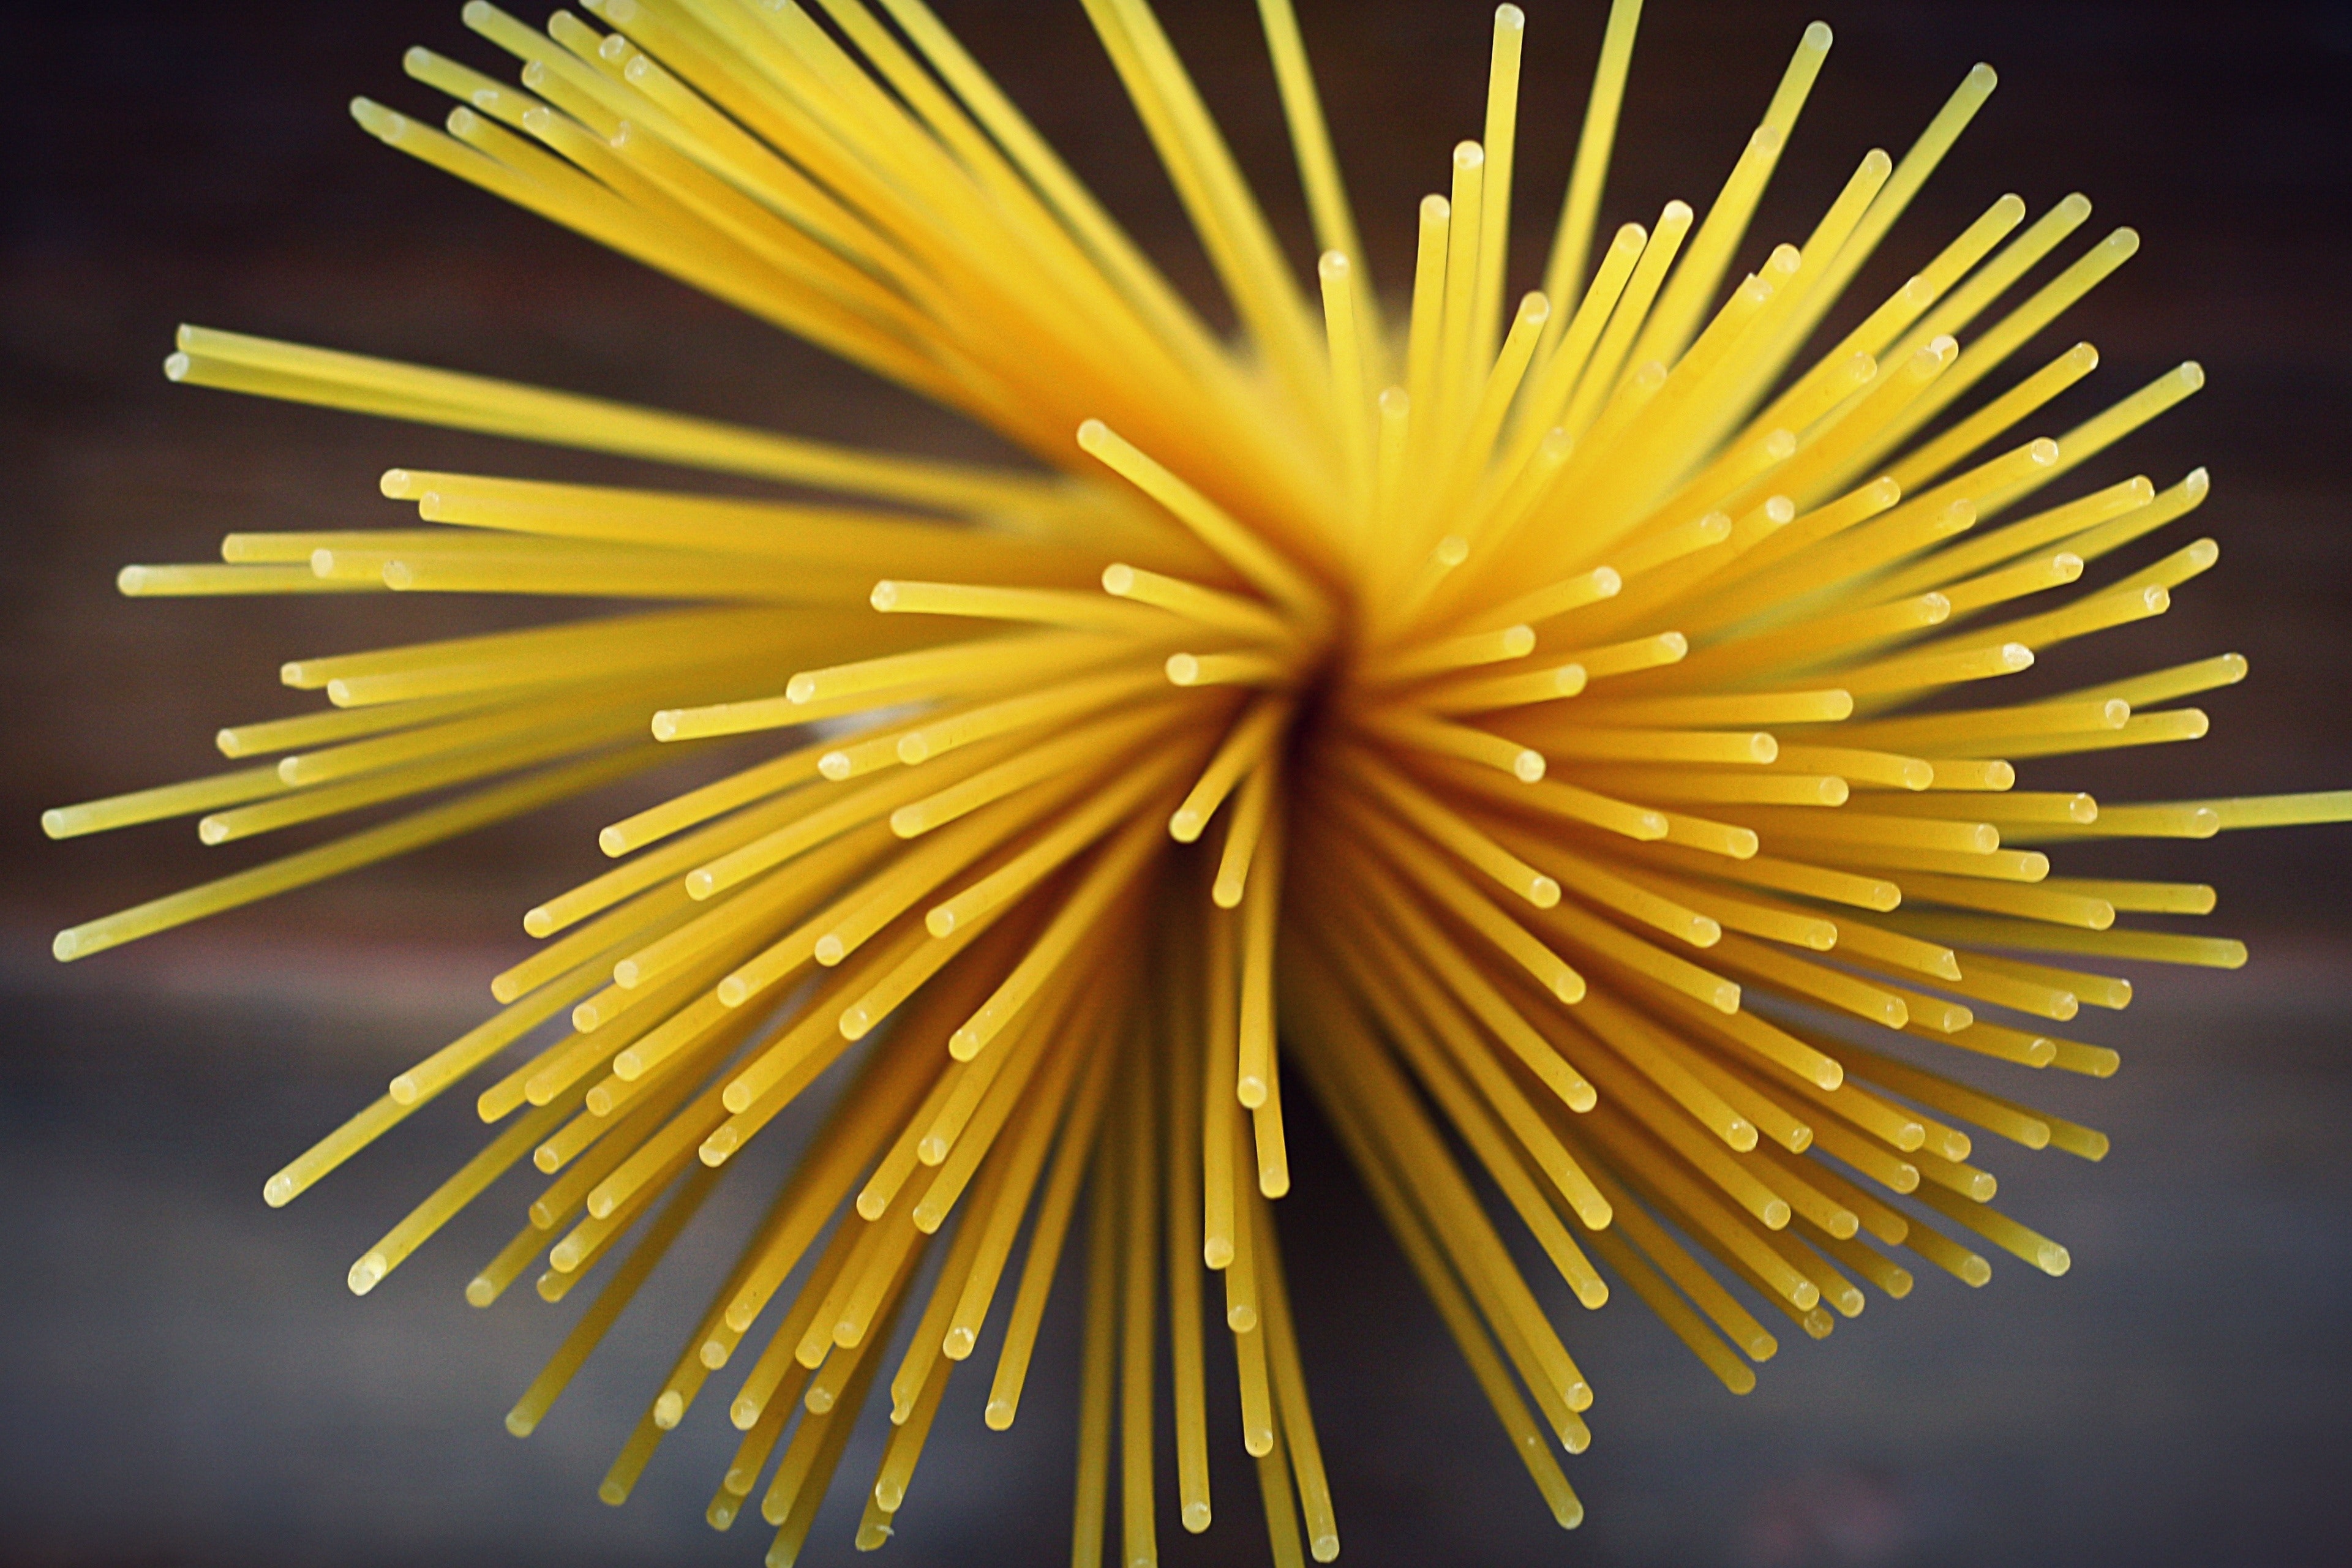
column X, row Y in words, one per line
column 1503, row 717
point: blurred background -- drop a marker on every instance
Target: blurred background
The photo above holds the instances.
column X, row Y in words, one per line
column 184, row 1376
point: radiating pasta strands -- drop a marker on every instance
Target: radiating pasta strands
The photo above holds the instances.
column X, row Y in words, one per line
column 1593, row 741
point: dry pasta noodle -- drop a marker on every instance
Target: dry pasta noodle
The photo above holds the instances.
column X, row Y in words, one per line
column 1491, row 707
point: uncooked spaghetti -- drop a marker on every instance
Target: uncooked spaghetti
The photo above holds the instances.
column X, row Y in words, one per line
column 1577, row 732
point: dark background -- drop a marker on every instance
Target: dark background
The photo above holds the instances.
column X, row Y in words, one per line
column 184, row 1378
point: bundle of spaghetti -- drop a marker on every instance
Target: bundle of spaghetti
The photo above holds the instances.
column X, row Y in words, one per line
column 1596, row 738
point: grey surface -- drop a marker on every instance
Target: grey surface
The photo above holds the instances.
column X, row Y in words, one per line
column 187, row 1380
